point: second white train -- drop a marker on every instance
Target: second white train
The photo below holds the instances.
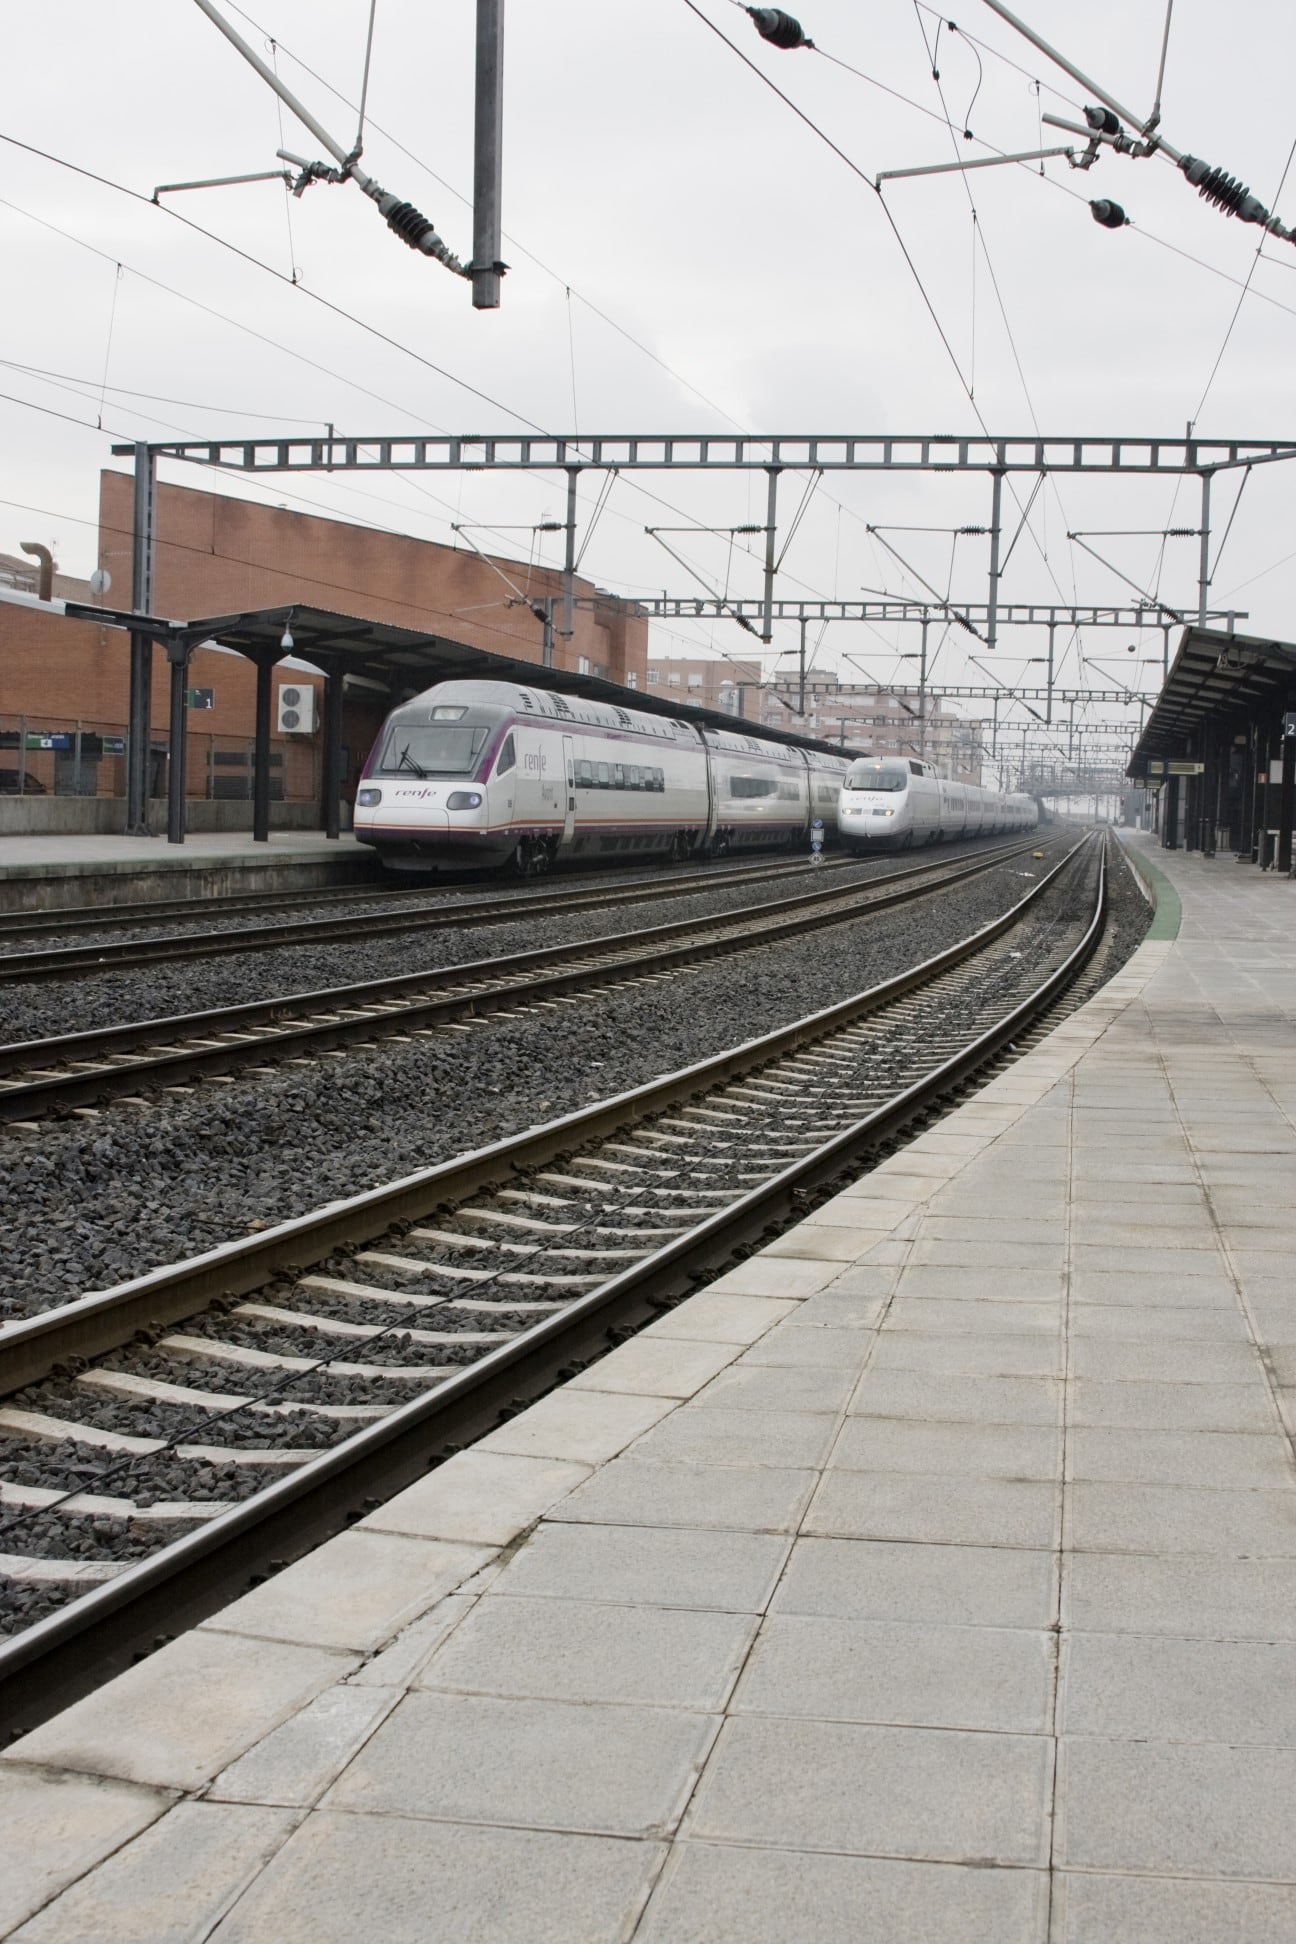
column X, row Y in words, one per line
column 897, row 803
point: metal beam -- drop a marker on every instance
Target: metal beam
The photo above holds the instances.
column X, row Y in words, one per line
column 700, row 607
column 919, row 452
column 488, row 138
column 140, row 730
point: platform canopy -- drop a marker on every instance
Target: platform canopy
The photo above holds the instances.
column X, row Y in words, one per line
column 1222, row 736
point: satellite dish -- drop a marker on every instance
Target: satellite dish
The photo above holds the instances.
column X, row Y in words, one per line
column 100, row 581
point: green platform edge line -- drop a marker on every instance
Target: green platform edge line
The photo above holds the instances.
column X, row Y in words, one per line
column 1167, row 913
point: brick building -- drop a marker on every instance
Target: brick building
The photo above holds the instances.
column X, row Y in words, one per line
column 64, row 683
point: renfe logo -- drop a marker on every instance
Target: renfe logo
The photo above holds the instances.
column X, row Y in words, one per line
column 536, row 761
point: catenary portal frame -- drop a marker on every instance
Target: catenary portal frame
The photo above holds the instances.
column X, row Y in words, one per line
column 774, row 455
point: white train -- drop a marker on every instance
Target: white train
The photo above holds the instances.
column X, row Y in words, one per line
column 893, row 803
column 494, row 774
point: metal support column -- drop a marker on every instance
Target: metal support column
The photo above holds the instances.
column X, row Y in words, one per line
column 139, row 709
column 801, row 670
column 544, row 612
column 332, row 749
column 178, row 653
column 771, row 535
column 922, row 690
column 1170, row 834
column 1203, row 571
column 488, row 155
column 1287, row 803
column 996, row 514
column 569, row 560
column 1048, row 706
column 261, row 751
column 1165, row 652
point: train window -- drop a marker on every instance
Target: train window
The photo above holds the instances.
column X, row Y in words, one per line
column 604, row 777
column 883, row 776
column 439, row 749
column 789, row 793
column 506, row 758
column 752, row 786
column 618, row 776
column 633, row 775
column 584, row 773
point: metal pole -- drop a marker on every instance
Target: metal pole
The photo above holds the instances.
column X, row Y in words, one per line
column 922, row 691
column 992, row 609
column 139, row 710
column 488, row 157
column 802, row 671
column 1203, row 576
column 261, row 753
column 547, row 648
column 771, row 534
column 1165, row 652
column 178, row 656
column 1048, row 706
column 332, row 750
column 569, row 561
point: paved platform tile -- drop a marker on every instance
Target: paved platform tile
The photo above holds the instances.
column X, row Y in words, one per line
column 1224, row 1459
column 838, row 1669
column 296, row 1762
column 1126, row 1688
column 1010, row 1285
column 56, row 1826
column 732, row 1572
column 1182, row 1810
column 1167, row 1361
column 186, row 1712
column 714, row 1894
column 656, row 1367
column 174, row 1881
column 547, row 1764
column 711, row 1318
column 812, row 1342
column 355, row 1591
column 575, row 1650
column 932, row 1509
column 1146, row 1406
column 1148, row 1322
column 789, row 1387
column 398, row 1663
column 966, row 1586
column 1167, row 1910
column 985, row 1400
column 642, row 1491
column 717, row 1437
column 834, row 1239
column 478, row 1497
column 1182, row 1595
column 1182, row 1519
column 763, row 1275
column 908, row 1792
column 585, row 1427
column 1153, row 1287
column 409, row 1882
column 980, row 1354
column 951, row 1316
column 959, row 1450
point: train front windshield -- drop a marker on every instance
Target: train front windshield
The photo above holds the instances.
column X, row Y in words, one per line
column 887, row 777
column 432, row 749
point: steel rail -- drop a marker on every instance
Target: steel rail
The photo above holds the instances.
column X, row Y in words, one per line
column 61, row 1656
column 66, row 960
column 98, row 1634
column 421, row 999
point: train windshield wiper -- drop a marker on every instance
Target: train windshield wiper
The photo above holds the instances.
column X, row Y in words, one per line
column 406, row 761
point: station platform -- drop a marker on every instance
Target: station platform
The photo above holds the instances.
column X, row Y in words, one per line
column 932, row 1575
column 40, row 871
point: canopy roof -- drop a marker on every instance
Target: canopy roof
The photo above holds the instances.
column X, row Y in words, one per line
column 1215, row 677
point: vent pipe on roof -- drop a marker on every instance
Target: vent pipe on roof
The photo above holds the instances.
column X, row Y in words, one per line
column 45, row 586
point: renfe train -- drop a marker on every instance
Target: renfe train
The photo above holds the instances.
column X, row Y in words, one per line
column 493, row 774
column 893, row 803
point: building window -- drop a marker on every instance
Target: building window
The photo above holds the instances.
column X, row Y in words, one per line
column 673, row 680
column 654, row 677
column 695, row 681
column 632, row 679
column 582, row 665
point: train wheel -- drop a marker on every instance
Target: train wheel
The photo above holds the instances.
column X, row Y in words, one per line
column 681, row 849
column 531, row 858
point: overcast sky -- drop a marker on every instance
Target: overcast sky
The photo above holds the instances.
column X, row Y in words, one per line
column 686, row 255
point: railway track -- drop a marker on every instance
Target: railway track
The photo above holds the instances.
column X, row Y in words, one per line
column 499, row 907
column 81, row 1070
column 278, row 1385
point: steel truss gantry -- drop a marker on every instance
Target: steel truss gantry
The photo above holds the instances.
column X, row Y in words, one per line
column 997, row 457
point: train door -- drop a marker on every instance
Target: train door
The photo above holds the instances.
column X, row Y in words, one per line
column 569, row 771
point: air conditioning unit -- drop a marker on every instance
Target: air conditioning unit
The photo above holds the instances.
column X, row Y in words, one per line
column 295, row 713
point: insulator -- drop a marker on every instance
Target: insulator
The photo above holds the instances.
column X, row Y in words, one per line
column 410, row 224
column 1224, row 190
column 1109, row 214
column 1102, row 121
column 779, row 28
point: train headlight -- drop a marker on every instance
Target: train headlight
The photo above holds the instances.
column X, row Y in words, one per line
column 368, row 798
column 464, row 800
